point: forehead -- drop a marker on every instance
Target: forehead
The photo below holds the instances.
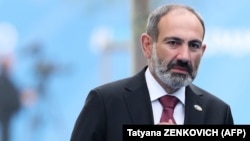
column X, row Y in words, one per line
column 181, row 22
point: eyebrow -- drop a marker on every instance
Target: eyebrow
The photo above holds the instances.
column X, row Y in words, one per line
column 173, row 38
column 181, row 40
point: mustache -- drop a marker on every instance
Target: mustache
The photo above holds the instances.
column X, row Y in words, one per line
column 182, row 64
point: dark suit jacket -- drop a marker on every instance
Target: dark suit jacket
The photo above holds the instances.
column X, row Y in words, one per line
column 127, row 101
column 9, row 98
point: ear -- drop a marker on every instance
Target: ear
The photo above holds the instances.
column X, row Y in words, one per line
column 147, row 44
column 204, row 46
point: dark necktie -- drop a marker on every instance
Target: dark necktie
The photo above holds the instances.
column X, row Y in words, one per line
column 168, row 102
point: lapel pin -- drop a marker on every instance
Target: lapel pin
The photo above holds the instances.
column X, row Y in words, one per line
column 198, row 108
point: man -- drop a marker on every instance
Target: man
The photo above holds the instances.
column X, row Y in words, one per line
column 173, row 46
column 9, row 98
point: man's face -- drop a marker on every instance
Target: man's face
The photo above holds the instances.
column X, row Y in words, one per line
column 176, row 55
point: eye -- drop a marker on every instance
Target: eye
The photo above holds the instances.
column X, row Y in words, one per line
column 195, row 45
column 172, row 43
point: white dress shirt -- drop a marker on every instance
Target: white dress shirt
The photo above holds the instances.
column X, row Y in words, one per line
column 156, row 91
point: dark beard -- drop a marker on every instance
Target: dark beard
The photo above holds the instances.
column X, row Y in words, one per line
column 179, row 63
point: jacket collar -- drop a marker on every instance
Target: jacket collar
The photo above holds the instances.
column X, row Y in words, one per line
column 138, row 100
column 194, row 105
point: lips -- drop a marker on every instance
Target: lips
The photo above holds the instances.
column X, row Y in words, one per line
column 178, row 69
column 180, row 66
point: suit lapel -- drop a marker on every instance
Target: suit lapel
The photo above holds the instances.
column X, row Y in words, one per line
column 194, row 107
column 138, row 100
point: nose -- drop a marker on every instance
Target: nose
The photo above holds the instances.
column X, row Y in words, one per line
column 184, row 53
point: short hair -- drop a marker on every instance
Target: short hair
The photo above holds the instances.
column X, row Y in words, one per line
column 158, row 13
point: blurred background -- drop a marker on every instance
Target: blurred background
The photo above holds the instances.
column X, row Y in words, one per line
column 53, row 52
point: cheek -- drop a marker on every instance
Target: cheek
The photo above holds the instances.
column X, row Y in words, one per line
column 196, row 61
column 165, row 55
